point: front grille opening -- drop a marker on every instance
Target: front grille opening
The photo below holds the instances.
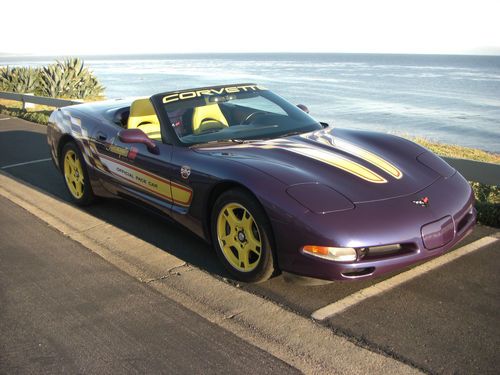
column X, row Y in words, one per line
column 359, row 272
column 464, row 221
column 386, row 251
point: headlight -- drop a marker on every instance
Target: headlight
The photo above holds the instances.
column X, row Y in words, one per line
column 435, row 163
column 338, row 254
column 319, row 198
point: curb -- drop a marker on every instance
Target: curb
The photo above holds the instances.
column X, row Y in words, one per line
column 294, row 339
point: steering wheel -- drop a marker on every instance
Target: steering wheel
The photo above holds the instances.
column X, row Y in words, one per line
column 252, row 116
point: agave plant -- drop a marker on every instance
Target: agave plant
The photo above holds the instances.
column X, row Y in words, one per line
column 63, row 79
column 69, row 79
column 19, row 79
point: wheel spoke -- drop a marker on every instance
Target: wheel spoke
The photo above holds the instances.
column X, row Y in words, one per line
column 247, row 221
column 71, row 162
column 243, row 257
column 68, row 165
column 255, row 249
column 78, row 166
column 231, row 218
column 228, row 239
column 79, row 188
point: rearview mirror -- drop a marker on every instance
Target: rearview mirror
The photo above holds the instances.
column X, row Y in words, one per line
column 303, row 107
column 138, row 136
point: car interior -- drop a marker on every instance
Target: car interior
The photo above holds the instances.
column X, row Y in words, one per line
column 189, row 120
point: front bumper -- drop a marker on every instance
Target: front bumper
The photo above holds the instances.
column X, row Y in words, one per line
column 420, row 232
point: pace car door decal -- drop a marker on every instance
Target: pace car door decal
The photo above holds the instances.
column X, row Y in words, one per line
column 158, row 186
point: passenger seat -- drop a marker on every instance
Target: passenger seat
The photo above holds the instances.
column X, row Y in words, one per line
column 143, row 116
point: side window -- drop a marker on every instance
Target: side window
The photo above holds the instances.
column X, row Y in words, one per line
column 260, row 103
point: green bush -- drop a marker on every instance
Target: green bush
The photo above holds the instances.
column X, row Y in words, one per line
column 487, row 203
column 67, row 79
column 488, row 214
column 20, row 80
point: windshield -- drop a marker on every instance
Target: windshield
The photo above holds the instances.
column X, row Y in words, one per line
column 234, row 113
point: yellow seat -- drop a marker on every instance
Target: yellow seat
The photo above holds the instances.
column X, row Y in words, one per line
column 208, row 117
column 143, row 116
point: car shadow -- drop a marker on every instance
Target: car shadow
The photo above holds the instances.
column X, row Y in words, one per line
column 156, row 229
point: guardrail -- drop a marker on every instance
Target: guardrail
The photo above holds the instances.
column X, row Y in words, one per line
column 42, row 100
column 485, row 173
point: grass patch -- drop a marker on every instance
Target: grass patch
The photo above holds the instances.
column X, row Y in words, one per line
column 460, row 152
column 38, row 113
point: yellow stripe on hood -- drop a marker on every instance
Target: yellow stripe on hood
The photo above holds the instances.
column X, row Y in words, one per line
column 369, row 157
column 340, row 162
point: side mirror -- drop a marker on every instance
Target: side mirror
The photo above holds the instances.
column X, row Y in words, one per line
column 303, row 107
column 138, row 136
column 324, row 124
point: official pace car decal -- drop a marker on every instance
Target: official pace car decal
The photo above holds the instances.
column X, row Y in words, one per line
column 159, row 186
column 211, row 91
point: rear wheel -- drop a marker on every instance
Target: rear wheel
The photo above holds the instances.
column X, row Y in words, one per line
column 75, row 175
column 242, row 236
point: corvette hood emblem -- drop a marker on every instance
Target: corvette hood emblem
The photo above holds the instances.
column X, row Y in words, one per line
column 422, row 202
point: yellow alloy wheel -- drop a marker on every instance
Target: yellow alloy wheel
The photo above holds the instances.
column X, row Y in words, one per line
column 239, row 237
column 73, row 174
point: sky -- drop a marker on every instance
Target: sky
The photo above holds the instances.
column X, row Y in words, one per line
column 62, row 27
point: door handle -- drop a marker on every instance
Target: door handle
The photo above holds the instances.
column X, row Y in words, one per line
column 101, row 136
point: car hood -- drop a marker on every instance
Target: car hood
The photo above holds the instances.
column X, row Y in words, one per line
column 363, row 166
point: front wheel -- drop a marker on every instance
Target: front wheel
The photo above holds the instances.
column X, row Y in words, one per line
column 241, row 235
column 75, row 175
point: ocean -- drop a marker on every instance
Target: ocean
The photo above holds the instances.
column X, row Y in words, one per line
column 450, row 99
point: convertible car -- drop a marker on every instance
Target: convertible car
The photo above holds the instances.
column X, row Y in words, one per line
column 269, row 186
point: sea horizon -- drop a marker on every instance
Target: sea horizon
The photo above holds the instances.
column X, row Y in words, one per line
column 445, row 98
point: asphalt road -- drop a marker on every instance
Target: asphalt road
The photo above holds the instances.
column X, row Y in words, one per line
column 438, row 333
column 66, row 310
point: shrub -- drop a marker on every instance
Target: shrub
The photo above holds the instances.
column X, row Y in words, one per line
column 20, row 80
column 488, row 214
column 67, row 79
column 487, row 203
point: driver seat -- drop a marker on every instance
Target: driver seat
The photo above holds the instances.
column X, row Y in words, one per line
column 207, row 117
column 143, row 116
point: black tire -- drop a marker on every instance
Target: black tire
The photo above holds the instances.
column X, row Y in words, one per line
column 261, row 234
column 87, row 195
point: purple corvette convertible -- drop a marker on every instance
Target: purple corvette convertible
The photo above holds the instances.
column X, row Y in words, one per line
column 269, row 186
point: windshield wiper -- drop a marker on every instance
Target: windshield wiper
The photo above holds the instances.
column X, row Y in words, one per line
column 292, row 133
column 228, row 140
